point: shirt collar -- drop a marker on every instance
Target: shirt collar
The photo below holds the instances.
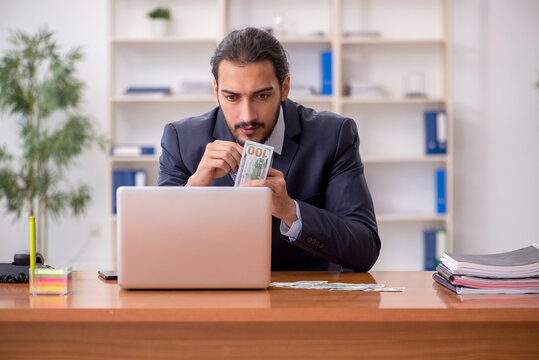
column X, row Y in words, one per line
column 276, row 138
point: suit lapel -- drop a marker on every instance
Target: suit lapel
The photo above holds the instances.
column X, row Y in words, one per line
column 282, row 162
column 221, row 131
column 290, row 146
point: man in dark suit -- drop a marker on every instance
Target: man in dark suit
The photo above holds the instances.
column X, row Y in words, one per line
column 323, row 216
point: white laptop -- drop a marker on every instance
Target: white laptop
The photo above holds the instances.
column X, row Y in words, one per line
column 194, row 237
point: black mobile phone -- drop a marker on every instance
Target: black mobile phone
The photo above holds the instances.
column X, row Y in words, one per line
column 108, row 274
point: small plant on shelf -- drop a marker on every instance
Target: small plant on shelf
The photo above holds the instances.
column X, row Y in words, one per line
column 160, row 13
column 160, row 19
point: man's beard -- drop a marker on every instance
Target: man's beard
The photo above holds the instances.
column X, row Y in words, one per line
column 265, row 135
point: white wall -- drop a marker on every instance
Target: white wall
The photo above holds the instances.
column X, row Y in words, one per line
column 495, row 66
column 496, row 103
column 81, row 242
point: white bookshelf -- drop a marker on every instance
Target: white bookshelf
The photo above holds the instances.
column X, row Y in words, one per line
column 418, row 217
column 391, row 127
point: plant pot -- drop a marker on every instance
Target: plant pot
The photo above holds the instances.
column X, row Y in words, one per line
column 159, row 27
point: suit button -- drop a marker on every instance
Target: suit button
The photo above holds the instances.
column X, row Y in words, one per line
column 309, row 240
column 321, row 246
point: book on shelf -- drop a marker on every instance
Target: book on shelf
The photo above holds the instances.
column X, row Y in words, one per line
column 364, row 89
column 430, row 250
column 362, row 33
column 132, row 150
column 302, row 90
column 435, row 246
column 441, row 191
column 512, row 272
column 435, row 132
column 441, row 245
column 196, row 88
column 126, row 178
column 148, row 90
column 327, row 74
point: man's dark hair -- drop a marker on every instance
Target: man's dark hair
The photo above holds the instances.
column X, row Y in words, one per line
column 248, row 46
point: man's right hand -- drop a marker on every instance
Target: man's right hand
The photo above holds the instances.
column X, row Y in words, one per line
column 219, row 159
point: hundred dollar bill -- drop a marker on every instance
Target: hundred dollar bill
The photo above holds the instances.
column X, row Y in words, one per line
column 255, row 162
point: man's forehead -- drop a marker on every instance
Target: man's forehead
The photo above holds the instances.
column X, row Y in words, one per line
column 262, row 68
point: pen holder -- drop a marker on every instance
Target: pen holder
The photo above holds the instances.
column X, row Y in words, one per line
column 47, row 281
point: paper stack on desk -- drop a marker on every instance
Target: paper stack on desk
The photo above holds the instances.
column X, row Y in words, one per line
column 513, row 272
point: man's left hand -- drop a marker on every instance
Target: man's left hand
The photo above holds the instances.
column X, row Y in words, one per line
column 282, row 206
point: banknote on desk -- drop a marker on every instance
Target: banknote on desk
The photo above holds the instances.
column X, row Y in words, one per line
column 325, row 285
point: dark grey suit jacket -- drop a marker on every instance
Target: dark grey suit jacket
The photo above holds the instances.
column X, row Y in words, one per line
column 323, row 172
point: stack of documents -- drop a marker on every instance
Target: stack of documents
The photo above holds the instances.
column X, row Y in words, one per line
column 513, row 272
column 364, row 89
column 196, row 88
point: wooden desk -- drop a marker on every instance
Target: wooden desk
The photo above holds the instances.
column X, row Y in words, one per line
column 426, row 321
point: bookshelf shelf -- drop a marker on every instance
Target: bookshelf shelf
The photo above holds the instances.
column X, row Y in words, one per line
column 392, row 218
column 404, row 159
column 135, row 159
column 304, row 39
column 312, row 98
column 358, row 40
column 165, row 40
column 399, row 218
column 126, row 99
column 391, row 100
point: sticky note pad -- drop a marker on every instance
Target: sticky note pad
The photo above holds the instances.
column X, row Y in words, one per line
column 51, row 281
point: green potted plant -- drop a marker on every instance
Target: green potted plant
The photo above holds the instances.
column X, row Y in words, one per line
column 160, row 19
column 40, row 90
